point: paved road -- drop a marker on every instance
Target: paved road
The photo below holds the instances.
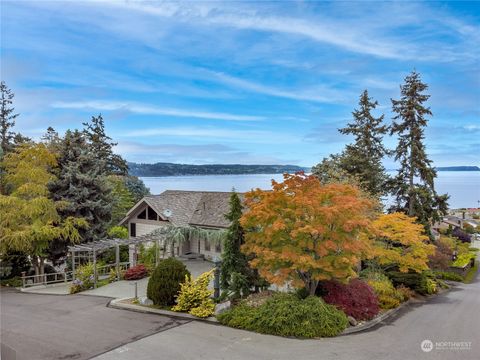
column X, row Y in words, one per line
column 69, row 327
column 453, row 316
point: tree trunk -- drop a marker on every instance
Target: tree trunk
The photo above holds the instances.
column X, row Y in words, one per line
column 39, row 267
column 312, row 287
column 410, row 183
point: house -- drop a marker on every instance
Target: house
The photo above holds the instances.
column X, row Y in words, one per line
column 203, row 209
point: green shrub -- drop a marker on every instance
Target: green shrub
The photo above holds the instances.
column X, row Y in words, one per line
column 194, row 296
column 420, row 282
column 84, row 278
column 389, row 297
column 448, row 275
column 147, row 256
column 386, row 293
column 164, row 284
column 12, row 282
column 404, row 293
column 287, row 315
column 464, row 259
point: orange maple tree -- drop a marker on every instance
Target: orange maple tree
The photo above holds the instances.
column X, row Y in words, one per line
column 303, row 232
column 401, row 242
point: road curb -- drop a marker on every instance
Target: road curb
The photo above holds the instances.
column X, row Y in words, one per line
column 376, row 321
column 118, row 304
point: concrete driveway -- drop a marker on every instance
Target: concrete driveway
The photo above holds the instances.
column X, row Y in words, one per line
column 69, row 327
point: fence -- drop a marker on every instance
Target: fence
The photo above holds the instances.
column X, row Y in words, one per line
column 66, row 276
column 46, row 279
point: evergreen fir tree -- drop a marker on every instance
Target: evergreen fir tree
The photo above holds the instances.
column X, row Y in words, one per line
column 363, row 158
column 7, row 118
column 102, row 147
column 413, row 187
column 232, row 258
column 136, row 187
column 52, row 140
column 82, row 185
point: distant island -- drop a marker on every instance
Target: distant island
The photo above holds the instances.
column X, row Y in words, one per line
column 171, row 169
column 458, row 168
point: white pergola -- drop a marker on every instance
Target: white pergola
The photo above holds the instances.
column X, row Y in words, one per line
column 91, row 249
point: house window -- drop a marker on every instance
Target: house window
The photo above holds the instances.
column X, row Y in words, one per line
column 143, row 214
column 218, row 247
column 207, row 245
column 152, row 215
column 133, row 230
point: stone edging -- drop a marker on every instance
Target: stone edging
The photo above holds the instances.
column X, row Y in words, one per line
column 373, row 322
column 118, row 304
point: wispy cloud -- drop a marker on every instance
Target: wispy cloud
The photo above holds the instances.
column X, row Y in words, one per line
column 322, row 30
column 320, row 93
column 152, row 110
column 199, row 132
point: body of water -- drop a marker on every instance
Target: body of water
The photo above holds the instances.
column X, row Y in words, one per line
column 462, row 186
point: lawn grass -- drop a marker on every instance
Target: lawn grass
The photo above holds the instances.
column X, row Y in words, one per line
column 471, row 273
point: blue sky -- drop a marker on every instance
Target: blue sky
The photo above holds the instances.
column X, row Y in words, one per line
column 240, row 82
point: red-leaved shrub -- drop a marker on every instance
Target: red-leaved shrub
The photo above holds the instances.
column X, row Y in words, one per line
column 135, row 273
column 356, row 298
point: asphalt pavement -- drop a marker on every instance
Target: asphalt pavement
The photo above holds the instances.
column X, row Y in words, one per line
column 52, row 327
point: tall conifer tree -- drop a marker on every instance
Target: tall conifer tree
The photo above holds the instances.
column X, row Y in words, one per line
column 233, row 260
column 102, row 146
column 82, row 185
column 7, row 118
column 413, row 187
column 363, row 158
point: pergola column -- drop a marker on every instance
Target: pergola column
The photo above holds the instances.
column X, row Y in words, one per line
column 94, row 269
column 117, row 261
column 73, row 265
column 157, row 249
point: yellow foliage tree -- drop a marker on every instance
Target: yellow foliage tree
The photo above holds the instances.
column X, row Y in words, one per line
column 303, row 231
column 29, row 220
column 401, row 242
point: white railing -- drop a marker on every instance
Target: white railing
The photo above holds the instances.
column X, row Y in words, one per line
column 104, row 270
column 46, row 279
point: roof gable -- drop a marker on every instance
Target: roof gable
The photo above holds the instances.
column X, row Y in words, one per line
column 198, row 208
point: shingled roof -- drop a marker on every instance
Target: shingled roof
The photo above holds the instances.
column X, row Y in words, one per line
column 197, row 208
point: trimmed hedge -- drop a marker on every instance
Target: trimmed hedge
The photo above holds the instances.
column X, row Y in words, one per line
column 287, row 315
column 356, row 298
column 164, row 284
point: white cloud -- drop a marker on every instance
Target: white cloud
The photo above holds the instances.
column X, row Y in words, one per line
column 152, row 110
column 319, row 93
column 323, row 30
column 197, row 132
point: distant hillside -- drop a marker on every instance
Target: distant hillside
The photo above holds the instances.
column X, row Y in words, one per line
column 458, row 168
column 170, row 169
